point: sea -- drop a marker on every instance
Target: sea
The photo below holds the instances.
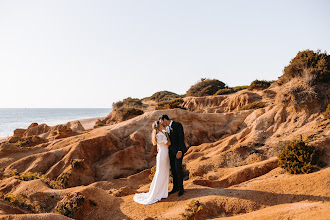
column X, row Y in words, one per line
column 12, row 118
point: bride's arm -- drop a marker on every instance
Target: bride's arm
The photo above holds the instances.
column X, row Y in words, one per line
column 168, row 143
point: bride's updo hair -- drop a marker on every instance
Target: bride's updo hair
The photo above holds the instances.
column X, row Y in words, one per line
column 155, row 130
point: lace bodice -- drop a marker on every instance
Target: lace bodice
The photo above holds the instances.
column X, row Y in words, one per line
column 161, row 139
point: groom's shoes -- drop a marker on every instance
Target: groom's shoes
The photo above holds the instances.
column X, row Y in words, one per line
column 173, row 191
column 181, row 191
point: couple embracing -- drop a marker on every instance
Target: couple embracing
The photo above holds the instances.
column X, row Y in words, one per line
column 168, row 135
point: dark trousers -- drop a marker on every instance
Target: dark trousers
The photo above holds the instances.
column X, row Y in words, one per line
column 177, row 171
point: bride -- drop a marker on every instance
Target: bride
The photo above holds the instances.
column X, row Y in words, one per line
column 159, row 185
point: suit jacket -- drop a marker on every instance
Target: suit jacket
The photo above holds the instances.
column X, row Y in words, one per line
column 177, row 138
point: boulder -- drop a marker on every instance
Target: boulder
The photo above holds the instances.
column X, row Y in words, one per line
column 36, row 130
column 14, row 139
column 33, row 125
column 19, row 132
column 63, row 132
column 75, row 126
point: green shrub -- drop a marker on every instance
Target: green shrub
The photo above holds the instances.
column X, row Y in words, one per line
column 254, row 105
column 224, row 91
column 152, row 174
column 317, row 64
column 326, row 114
column 70, row 205
column 297, row 157
column 205, row 87
column 194, row 207
column 77, row 163
column 21, row 202
column 164, row 96
column 128, row 113
column 174, row 103
column 128, row 102
column 259, row 84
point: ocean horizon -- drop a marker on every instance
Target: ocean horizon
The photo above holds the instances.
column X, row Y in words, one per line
column 12, row 118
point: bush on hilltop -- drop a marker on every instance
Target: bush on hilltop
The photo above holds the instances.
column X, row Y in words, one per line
column 163, row 96
column 238, row 88
column 128, row 102
column 315, row 64
column 260, row 84
column 224, row 91
column 205, row 87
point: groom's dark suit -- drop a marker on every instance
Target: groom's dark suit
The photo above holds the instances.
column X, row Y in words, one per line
column 176, row 135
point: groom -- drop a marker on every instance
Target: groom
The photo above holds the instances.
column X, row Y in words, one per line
column 176, row 151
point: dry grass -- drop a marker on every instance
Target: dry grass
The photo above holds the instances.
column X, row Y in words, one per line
column 194, row 207
column 326, row 114
column 27, row 176
column 21, row 202
column 254, row 105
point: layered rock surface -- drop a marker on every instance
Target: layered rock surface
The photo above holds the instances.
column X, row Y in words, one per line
column 231, row 160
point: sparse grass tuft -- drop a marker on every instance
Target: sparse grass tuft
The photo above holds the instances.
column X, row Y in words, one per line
column 77, row 163
column 200, row 171
column 152, row 174
column 22, row 143
column 254, row 105
column 63, row 179
column 99, row 123
column 194, row 207
column 326, row 114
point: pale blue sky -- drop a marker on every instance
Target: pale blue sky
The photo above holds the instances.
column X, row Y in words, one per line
column 75, row 53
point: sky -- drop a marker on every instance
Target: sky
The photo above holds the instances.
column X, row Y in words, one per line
column 89, row 54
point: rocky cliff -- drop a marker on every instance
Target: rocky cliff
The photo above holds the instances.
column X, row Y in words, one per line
column 231, row 163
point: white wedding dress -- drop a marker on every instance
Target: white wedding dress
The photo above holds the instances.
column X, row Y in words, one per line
column 159, row 185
